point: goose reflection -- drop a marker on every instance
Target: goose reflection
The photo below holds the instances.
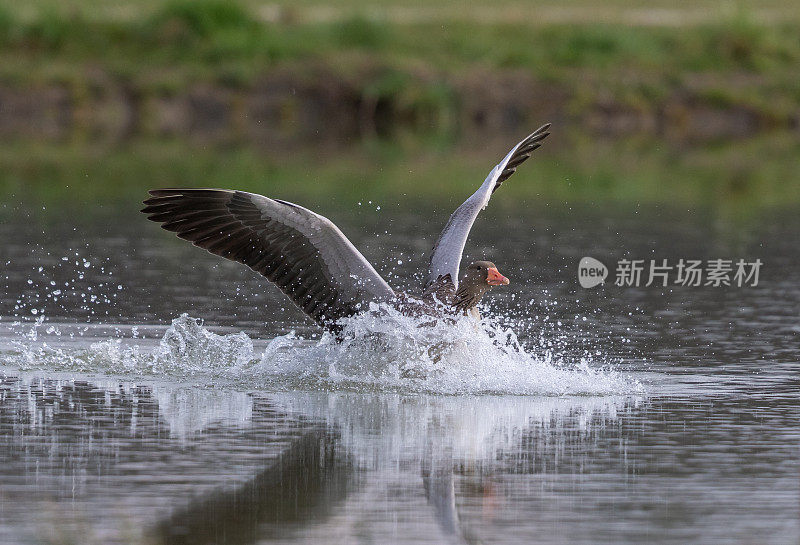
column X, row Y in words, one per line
column 439, row 485
column 456, row 443
column 213, row 466
column 357, row 464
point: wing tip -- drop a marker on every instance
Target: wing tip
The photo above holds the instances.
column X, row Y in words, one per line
column 521, row 152
column 156, row 196
column 538, row 135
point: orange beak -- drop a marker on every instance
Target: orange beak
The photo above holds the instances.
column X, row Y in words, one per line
column 494, row 278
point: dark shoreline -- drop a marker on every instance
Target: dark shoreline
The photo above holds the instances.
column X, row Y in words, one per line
column 292, row 107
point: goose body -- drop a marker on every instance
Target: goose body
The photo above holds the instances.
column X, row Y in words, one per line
column 309, row 258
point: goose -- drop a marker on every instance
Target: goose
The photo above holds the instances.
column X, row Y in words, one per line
column 309, row 258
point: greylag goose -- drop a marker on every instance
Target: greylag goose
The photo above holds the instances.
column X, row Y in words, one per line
column 314, row 263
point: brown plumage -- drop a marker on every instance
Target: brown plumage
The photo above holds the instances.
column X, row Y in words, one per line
column 479, row 277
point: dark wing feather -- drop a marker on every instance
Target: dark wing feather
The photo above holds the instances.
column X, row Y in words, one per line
column 521, row 153
column 303, row 253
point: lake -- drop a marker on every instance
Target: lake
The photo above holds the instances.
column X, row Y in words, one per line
column 153, row 393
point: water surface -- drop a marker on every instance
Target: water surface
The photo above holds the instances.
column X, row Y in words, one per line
column 618, row 414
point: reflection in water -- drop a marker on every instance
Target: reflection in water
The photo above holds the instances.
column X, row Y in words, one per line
column 88, row 460
column 429, row 458
column 441, row 495
column 439, row 483
column 300, row 487
column 98, row 461
column 177, row 407
column 174, row 465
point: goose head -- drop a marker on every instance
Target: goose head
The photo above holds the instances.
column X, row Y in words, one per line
column 479, row 277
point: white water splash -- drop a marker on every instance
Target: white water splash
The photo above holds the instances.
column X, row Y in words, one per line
column 384, row 350
column 381, row 350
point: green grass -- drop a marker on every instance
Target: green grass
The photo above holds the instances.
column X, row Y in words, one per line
column 175, row 45
column 543, row 11
column 203, row 36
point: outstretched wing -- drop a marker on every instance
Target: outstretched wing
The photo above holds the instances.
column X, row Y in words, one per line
column 303, row 253
column 447, row 252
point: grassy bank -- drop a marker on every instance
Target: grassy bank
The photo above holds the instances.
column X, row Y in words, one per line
column 652, row 12
column 414, row 69
column 228, row 41
column 311, row 101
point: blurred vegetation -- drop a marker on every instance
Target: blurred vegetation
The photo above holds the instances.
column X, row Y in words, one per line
column 412, row 55
column 175, row 41
column 759, row 173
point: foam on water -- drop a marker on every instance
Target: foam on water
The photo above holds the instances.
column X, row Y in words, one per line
column 381, row 350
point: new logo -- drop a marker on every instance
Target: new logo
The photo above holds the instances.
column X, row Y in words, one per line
column 591, row 272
